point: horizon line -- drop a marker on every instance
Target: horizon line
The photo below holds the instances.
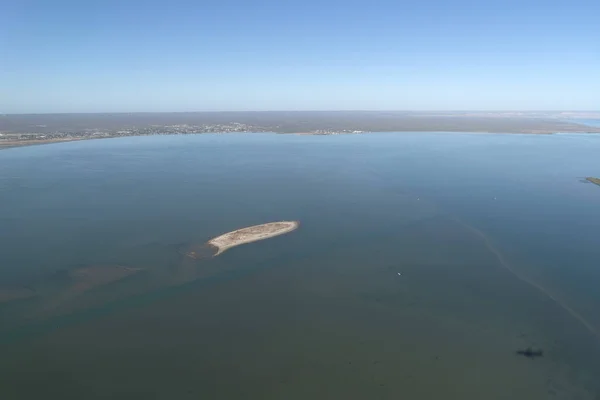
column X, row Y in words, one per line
column 307, row 110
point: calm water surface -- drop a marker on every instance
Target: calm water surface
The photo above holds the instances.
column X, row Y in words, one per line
column 589, row 121
column 423, row 261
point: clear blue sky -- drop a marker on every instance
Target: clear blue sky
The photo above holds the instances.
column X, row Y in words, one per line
column 133, row 55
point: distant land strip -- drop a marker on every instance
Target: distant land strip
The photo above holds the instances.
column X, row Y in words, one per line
column 27, row 129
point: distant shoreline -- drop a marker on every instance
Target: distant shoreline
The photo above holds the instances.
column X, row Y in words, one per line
column 30, row 129
column 8, row 144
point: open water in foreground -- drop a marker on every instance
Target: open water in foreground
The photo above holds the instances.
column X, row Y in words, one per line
column 422, row 263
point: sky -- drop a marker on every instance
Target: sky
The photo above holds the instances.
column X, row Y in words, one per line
column 205, row 55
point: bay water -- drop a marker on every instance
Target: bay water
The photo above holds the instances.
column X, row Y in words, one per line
column 423, row 262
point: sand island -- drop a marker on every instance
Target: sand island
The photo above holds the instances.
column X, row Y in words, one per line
column 594, row 180
column 247, row 235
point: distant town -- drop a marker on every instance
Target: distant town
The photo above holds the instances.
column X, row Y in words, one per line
column 182, row 129
column 32, row 137
column 23, row 129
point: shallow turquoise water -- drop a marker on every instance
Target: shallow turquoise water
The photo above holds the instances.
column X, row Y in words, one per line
column 495, row 238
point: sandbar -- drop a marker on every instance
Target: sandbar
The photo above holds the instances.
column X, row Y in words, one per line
column 250, row 234
column 594, row 180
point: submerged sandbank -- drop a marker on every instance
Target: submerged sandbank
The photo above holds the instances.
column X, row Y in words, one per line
column 11, row 294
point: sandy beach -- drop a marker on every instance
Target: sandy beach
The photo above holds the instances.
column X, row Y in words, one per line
column 6, row 144
column 251, row 234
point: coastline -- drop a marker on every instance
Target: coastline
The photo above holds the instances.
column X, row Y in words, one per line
column 9, row 144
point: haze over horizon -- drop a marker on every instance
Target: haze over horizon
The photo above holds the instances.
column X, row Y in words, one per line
column 423, row 112
column 156, row 56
